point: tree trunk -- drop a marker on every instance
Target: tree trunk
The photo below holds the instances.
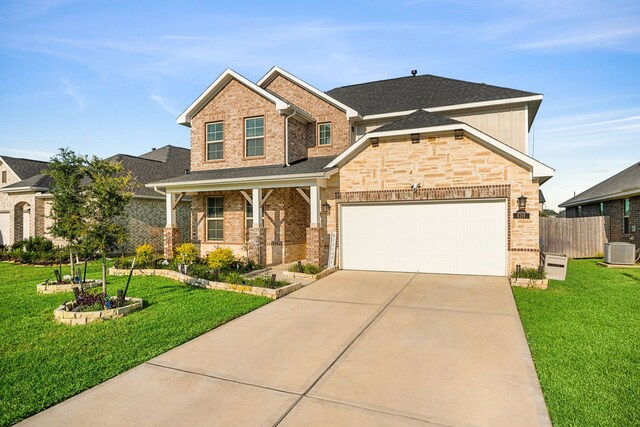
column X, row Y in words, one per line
column 73, row 275
column 104, row 274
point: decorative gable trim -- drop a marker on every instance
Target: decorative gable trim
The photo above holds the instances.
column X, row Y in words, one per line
column 276, row 71
column 539, row 170
column 217, row 86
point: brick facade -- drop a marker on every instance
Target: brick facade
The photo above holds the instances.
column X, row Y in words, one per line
column 614, row 210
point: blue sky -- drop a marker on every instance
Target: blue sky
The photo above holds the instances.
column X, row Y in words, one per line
column 104, row 77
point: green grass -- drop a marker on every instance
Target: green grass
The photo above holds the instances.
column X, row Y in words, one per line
column 584, row 336
column 43, row 362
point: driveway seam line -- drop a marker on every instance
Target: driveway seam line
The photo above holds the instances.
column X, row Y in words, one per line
column 341, row 302
column 367, row 326
column 455, row 311
column 222, row 378
column 382, row 411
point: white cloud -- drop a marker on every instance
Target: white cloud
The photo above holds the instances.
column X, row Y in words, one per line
column 584, row 39
column 164, row 104
column 30, row 154
column 73, row 93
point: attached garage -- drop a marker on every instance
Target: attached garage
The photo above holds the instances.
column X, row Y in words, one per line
column 465, row 237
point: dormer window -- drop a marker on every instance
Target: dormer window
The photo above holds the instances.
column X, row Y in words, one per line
column 324, row 134
column 254, row 136
column 215, row 135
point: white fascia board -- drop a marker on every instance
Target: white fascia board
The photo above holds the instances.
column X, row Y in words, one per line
column 244, row 183
column 614, row 196
column 455, row 107
column 22, row 189
column 350, row 112
column 219, row 83
column 538, row 169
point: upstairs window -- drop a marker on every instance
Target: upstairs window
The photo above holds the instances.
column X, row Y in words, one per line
column 4, row 177
column 254, row 137
column 626, row 211
column 324, row 134
column 215, row 222
column 215, row 135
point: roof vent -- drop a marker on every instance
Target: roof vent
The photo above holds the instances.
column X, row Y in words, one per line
column 414, row 72
column 153, row 148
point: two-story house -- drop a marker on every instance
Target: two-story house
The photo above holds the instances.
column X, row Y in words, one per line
column 420, row 173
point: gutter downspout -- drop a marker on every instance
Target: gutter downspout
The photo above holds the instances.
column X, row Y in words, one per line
column 155, row 188
column 286, row 138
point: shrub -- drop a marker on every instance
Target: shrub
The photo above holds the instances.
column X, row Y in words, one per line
column 87, row 299
column 145, row 255
column 311, row 269
column 35, row 244
column 221, row 258
column 233, row 277
column 186, row 253
column 530, row 273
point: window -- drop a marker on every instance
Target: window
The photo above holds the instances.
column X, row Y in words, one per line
column 254, row 137
column 215, row 133
column 579, row 211
column 601, row 208
column 248, row 215
column 324, row 134
column 215, row 213
column 625, row 216
column 4, row 177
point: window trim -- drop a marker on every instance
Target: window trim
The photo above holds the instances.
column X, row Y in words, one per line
column 244, row 138
column 330, row 134
column 246, row 217
column 221, row 219
column 4, row 177
column 579, row 211
column 626, row 215
column 206, row 143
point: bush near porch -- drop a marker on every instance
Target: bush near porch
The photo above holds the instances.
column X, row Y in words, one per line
column 43, row 363
column 584, row 336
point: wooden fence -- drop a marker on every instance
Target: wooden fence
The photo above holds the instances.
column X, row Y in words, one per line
column 574, row 237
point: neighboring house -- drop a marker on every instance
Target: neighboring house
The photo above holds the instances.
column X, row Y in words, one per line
column 617, row 197
column 30, row 193
column 419, row 173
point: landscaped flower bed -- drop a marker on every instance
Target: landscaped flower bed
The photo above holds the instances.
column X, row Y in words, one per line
column 54, row 287
column 529, row 278
column 249, row 287
column 308, row 271
column 72, row 314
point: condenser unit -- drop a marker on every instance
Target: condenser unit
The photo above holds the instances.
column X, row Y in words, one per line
column 619, row 253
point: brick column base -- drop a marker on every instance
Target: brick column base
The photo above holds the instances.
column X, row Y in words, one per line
column 258, row 245
column 317, row 250
column 171, row 240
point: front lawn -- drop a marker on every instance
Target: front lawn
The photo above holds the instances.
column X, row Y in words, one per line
column 43, row 362
column 584, row 336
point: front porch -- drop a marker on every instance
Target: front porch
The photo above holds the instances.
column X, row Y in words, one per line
column 270, row 222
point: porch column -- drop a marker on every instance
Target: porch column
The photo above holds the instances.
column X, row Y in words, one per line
column 257, row 234
column 171, row 231
column 316, row 233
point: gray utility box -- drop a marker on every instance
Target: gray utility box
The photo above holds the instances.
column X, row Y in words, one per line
column 555, row 266
column 620, row 253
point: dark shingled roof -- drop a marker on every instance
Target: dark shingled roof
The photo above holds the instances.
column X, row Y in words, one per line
column 416, row 120
column 626, row 181
column 411, row 93
column 25, row 168
column 311, row 165
column 35, row 181
column 541, row 198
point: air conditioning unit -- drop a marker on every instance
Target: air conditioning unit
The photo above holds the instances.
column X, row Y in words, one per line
column 619, row 253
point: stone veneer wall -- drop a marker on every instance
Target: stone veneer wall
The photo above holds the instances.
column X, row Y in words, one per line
column 446, row 168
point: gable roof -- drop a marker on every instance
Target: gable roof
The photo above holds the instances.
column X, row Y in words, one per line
column 275, row 71
column 426, row 91
column 622, row 184
column 416, row 120
column 40, row 182
column 24, row 168
column 217, row 85
column 538, row 169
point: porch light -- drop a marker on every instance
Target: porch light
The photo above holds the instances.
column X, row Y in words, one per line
column 415, row 138
column 458, row 133
column 374, row 142
column 521, row 213
column 326, row 207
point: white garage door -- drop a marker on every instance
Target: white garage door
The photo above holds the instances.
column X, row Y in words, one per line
column 447, row 238
column 4, row 228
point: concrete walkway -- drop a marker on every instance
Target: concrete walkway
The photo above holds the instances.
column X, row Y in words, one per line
column 355, row 348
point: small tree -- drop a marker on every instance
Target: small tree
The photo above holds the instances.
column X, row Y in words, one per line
column 67, row 171
column 107, row 195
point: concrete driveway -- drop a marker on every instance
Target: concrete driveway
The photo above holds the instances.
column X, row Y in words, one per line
column 355, row 348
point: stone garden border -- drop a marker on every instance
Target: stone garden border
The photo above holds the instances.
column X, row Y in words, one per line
column 209, row 284
column 54, row 288
column 529, row 283
column 323, row 273
column 61, row 315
